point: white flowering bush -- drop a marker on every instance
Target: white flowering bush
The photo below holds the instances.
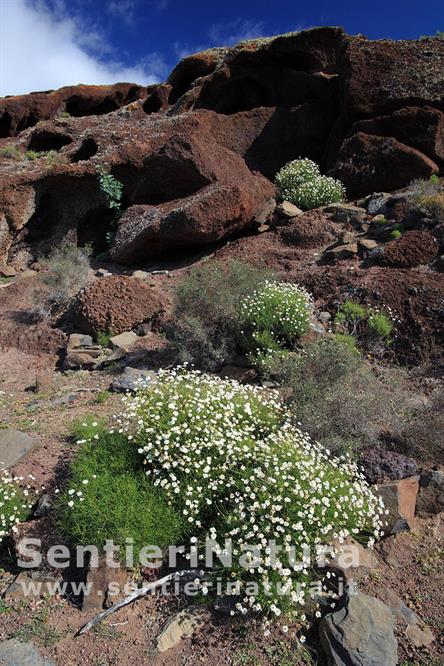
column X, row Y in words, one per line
column 15, row 503
column 228, row 458
column 301, row 183
column 275, row 316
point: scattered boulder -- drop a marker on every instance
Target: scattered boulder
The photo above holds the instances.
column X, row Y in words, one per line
column 15, row 445
column 341, row 251
column 346, row 213
column 130, row 378
column 367, row 244
column 288, row 210
column 124, row 341
column 412, row 249
column 361, row 633
column 115, row 304
column 84, row 359
column 182, row 625
column 77, row 340
column 400, row 501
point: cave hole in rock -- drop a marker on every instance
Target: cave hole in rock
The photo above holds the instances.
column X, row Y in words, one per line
column 69, row 208
column 5, row 125
column 160, row 180
column 27, row 121
column 80, row 106
column 42, row 227
column 152, row 104
column 300, row 61
column 87, row 149
column 94, row 229
column 233, row 96
column 182, row 81
column 44, row 140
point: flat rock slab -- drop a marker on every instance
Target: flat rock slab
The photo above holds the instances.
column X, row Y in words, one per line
column 15, row 445
column 15, row 653
column 182, row 625
column 131, row 379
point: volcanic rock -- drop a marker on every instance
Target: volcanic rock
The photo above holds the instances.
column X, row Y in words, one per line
column 115, row 304
column 412, row 249
column 367, row 162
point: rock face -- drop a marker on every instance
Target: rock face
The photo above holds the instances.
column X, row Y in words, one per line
column 22, row 111
column 196, row 154
column 360, row 634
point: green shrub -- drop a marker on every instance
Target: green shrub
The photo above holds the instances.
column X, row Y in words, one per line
column 11, row 152
column 379, row 326
column 227, row 457
column 110, row 497
column 103, row 338
column 337, row 397
column 65, row 273
column 301, row 183
column 15, row 503
column 395, row 234
column 371, row 328
column 275, row 316
column 207, row 324
column 34, row 155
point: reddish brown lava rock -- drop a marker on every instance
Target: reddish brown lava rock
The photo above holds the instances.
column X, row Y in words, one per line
column 372, row 163
column 222, row 115
column 412, row 249
column 421, row 128
column 21, row 111
column 313, row 229
column 116, row 304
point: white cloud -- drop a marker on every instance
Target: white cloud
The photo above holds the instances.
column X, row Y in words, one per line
column 43, row 49
column 227, row 34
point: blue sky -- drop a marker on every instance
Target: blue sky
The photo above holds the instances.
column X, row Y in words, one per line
column 49, row 43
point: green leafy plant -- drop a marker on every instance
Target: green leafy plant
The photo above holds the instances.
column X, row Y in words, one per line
column 110, row 497
column 11, row 152
column 371, row 328
column 207, row 323
column 103, row 338
column 111, row 187
column 301, row 183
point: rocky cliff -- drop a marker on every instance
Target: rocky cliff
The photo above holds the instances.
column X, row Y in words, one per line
column 197, row 154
